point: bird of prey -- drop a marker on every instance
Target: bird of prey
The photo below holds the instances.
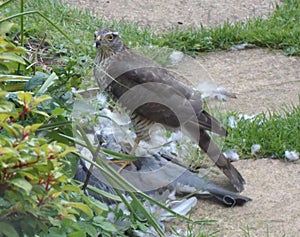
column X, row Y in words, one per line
column 153, row 94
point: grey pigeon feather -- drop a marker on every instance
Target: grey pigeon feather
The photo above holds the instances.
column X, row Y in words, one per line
column 157, row 174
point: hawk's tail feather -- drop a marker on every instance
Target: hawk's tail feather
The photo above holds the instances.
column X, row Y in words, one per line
column 233, row 174
column 208, row 122
column 214, row 153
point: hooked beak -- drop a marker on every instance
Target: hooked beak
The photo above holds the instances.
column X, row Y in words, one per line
column 97, row 41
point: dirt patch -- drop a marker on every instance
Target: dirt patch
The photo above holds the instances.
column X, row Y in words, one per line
column 182, row 13
column 274, row 186
column 263, row 80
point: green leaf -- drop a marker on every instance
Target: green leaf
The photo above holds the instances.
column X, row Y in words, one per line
column 70, row 214
column 29, row 175
column 57, row 111
column 56, row 232
column 35, row 126
column 71, row 188
column 32, row 128
column 7, row 230
column 10, row 129
column 6, row 154
column 104, row 224
column 4, row 204
column 78, row 233
column 5, row 27
column 3, row 68
column 49, row 82
column 25, row 97
column 22, row 183
column 3, row 94
column 99, row 204
column 6, row 107
column 87, row 228
column 68, row 150
column 80, row 206
column 12, row 57
column 37, row 100
column 16, row 78
column 35, row 81
column 40, row 112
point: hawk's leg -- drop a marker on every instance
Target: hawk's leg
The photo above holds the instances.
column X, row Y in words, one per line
column 123, row 163
column 135, row 146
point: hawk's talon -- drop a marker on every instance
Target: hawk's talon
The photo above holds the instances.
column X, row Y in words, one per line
column 123, row 164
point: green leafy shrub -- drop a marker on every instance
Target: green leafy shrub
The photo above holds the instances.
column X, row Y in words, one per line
column 11, row 57
column 36, row 195
column 37, row 160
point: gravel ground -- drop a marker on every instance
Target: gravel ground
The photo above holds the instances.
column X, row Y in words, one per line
column 163, row 14
column 263, row 80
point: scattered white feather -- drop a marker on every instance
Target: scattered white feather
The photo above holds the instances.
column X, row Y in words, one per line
column 246, row 117
column 250, row 118
column 120, row 118
column 143, row 149
column 176, row 57
column 176, row 136
column 73, row 90
column 179, row 144
column 172, row 195
column 162, row 195
column 91, row 138
column 118, row 125
column 232, row 123
column 231, row 155
column 170, row 148
column 211, row 90
column 181, row 207
column 107, row 112
column 157, row 134
column 102, row 100
column 86, row 152
column 239, row 47
column 255, row 148
column 291, row 155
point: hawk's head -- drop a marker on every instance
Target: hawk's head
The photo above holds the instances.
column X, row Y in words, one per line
column 108, row 41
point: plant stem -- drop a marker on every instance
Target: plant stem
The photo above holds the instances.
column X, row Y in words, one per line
column 22, row 22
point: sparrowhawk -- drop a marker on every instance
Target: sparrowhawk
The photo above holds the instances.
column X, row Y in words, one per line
column 153, row 94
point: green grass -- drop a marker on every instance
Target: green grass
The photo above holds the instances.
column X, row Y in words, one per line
column 276, row 132
column 280, row 31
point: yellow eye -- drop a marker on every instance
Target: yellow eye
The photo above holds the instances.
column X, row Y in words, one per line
column 109, row 38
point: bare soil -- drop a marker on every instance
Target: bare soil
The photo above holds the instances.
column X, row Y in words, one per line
column 274, row 187
column 263, row 80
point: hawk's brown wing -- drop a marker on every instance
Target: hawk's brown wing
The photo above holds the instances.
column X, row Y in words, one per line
column 155, row 94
